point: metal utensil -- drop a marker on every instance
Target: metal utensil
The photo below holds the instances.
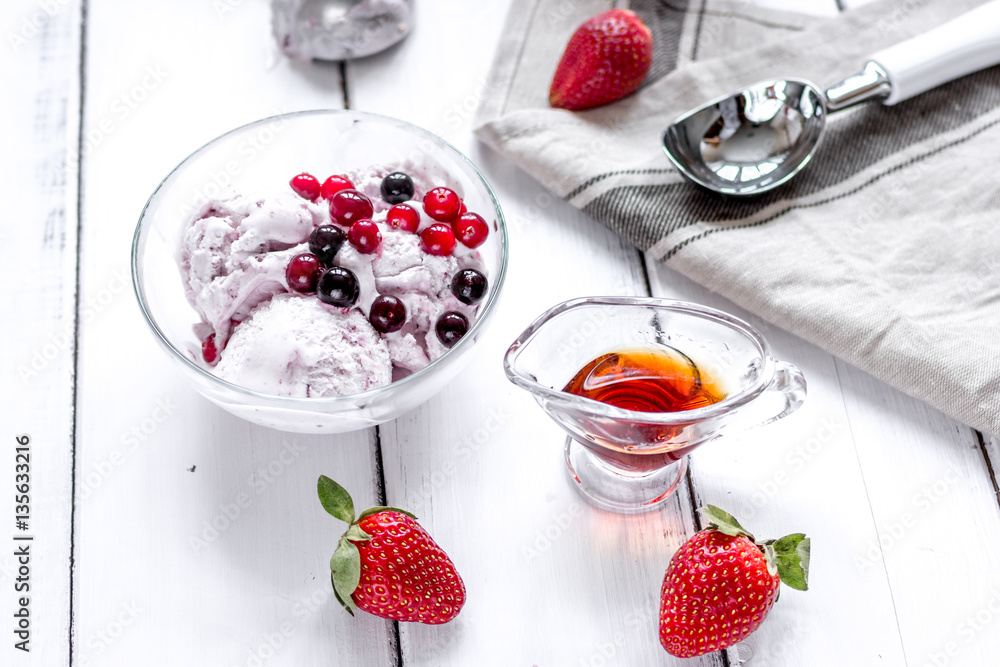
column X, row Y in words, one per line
column 758, row 138
column 339, row 29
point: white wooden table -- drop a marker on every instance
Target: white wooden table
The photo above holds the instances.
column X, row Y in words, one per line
column 166, row 532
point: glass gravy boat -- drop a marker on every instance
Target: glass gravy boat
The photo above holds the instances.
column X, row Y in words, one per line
column 626, row 460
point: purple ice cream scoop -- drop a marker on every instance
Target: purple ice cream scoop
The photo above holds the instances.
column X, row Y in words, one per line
column 234, row 252
column 295, row 345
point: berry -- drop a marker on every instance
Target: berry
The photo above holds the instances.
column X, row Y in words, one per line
column 403, row 216
column 365, row 236
column 208, row 350
column 387, row 564
column 721, row 584
column 442, row 204
column 471, row 229
column 437, row 239
column 302, row 272
column 606, row 59
column 397, row 187
column 462, row 209
column 305, row 186
column 388, row 314
column 450, row 328
column 325, row 242
column 333, row 185
column 339, row 287
column 469, row 286
column 349, row 206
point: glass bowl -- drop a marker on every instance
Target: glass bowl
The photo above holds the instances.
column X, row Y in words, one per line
column 628, row 460
column 260, row 157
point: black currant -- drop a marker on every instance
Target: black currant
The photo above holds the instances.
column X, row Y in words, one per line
column 450, row 328
column 338, row 287
column 397, row 187
column 469, row 286
column 388, row 314
column 325, row 241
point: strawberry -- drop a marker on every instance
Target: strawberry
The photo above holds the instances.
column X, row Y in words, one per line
column 387, row 564
column 606, row 59
column 721, row 584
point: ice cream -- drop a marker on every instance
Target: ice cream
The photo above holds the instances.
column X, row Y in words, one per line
column 333, row 289
column 234, row 253
column 294, row 346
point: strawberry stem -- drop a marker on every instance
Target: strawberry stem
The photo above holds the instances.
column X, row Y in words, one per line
column 787, row 557
column 376, row 510
column 723, row 521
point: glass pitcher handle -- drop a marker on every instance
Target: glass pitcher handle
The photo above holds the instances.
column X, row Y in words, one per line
column 783, row 395
column 790, row 384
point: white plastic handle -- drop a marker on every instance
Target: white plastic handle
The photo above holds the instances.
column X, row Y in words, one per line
column 962, row 46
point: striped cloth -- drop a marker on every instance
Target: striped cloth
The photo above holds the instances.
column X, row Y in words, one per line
column 883, row 251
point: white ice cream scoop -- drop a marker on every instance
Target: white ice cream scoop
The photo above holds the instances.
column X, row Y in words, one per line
column 758, row 138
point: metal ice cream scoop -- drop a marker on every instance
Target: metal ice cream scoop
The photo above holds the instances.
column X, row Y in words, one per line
column 339, row 29
column 758, row 138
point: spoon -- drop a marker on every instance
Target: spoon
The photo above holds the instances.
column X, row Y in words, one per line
column 339, row 29
column 758, row 138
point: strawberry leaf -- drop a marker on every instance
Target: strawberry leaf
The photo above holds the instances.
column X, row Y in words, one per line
column 346, row 567
column 791, row 557
column 723, row 522
column 347, row 607
column 356, row 534
column 376, row 510
column 335, row 499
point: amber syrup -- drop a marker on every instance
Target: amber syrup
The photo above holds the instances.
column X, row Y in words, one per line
column 653, row 379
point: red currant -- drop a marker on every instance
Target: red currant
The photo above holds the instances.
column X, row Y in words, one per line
column 437, row 239
column 302, row 272
column 306, row 186
column 365, row 236
column 402, row 216
column 335, row 184
column 471, row 229
column 208, row 350
column 349, row 206
column 442, row 204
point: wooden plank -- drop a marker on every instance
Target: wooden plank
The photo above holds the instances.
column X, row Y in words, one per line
column 38, row 246
column 551, row 580
column 482, row 466
column 913, row 495
column 801, row 475
column 911, row 487
column 936, row 511
column 192, row 524
column 481, row 455
column 991, row 451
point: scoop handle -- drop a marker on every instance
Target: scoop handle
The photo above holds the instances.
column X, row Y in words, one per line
column 962, row 46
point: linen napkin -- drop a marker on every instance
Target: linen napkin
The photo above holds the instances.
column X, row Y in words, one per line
column 884, row 251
